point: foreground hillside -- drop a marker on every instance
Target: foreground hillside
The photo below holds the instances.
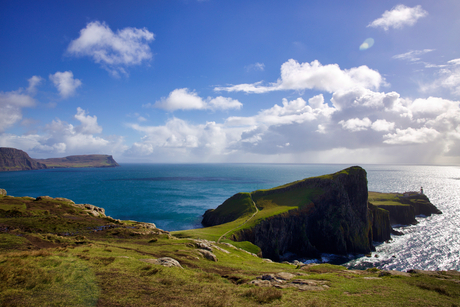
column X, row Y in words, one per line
column 57, row 253
column 12, row 159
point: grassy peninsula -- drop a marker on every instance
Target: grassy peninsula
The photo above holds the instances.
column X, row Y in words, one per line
column 57, row 253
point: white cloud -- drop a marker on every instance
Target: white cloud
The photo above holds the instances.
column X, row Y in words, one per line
column 364, row 98
column 88, row 123
column 114, row 51
column 61, row 138
column 399, row 17
column 314, row 75
column 433, row 106
column 448, row 77
column 411, row 136
column 65, row 83
column 184, row 99
column 412, row 55
column 11, row 104
column 427, row 129
column 33, row 83
column 356, row 124
column 382, row 125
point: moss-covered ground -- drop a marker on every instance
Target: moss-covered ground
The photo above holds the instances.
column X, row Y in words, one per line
column 54, row 254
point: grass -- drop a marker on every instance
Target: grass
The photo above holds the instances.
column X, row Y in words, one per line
column 387, row 199
column 105, row 266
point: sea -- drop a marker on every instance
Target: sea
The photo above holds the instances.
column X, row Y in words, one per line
column 175, row 196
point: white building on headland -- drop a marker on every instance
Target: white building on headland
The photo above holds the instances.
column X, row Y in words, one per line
column 413, row 193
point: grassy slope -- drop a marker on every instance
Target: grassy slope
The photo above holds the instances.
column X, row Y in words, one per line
column 39, row 266
column 387, row 199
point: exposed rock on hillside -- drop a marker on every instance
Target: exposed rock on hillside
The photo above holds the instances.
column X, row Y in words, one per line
column 12, row 159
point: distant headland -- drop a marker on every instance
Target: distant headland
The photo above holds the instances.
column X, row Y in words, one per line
column 12, row 159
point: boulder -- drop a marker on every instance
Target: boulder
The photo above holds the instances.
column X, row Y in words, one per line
column 2, row 192
column 165, row 261
column 208, row 255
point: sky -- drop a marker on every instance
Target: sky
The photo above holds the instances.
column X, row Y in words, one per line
column 220, row 81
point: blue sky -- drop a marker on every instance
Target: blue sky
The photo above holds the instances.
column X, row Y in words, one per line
column 182, row 81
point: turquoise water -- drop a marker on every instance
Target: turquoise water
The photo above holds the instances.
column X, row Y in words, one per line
column 174, row 196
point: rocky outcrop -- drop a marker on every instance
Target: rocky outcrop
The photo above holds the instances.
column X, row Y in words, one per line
column 335, row 218
column 90, row 209
column 2, row 192
column 329, row 214
column 408, row 208
column 381, row 224
column 12, row 159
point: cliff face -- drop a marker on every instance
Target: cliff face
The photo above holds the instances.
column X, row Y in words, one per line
column 381, row 225
column 12, row 159
column 332, row 216
column 403, row 209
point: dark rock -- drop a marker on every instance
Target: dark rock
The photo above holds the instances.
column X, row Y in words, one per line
column 381, row 228
column 336, row 219
column 12, row 159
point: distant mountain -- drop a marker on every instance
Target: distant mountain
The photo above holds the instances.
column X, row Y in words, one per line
column 80, row 161
column 12, row 159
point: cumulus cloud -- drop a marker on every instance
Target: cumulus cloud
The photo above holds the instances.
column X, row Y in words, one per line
column 62, row 138
column 382, row 125
column 356, row 124
column 65, row 83
column 447, row 77
column 411, row 136
column 114, row 51
column 399, row 17
column 11, row 105
column 184, row 99
column 88, row 123
column 314, row 75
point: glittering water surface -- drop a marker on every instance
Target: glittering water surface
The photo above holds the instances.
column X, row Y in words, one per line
column 174, row 196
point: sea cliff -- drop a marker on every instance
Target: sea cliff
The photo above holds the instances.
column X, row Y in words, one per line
column 326, row 214
column 12, row 159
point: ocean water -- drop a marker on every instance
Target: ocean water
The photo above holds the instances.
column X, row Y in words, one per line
column 174, row 197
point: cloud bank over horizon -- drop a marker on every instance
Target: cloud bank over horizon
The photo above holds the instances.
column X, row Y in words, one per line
column 322, row 101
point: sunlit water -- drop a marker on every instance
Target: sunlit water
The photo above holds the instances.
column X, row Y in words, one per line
column 174, row 197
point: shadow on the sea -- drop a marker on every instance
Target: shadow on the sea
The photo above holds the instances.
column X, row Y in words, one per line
column 207, row 179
